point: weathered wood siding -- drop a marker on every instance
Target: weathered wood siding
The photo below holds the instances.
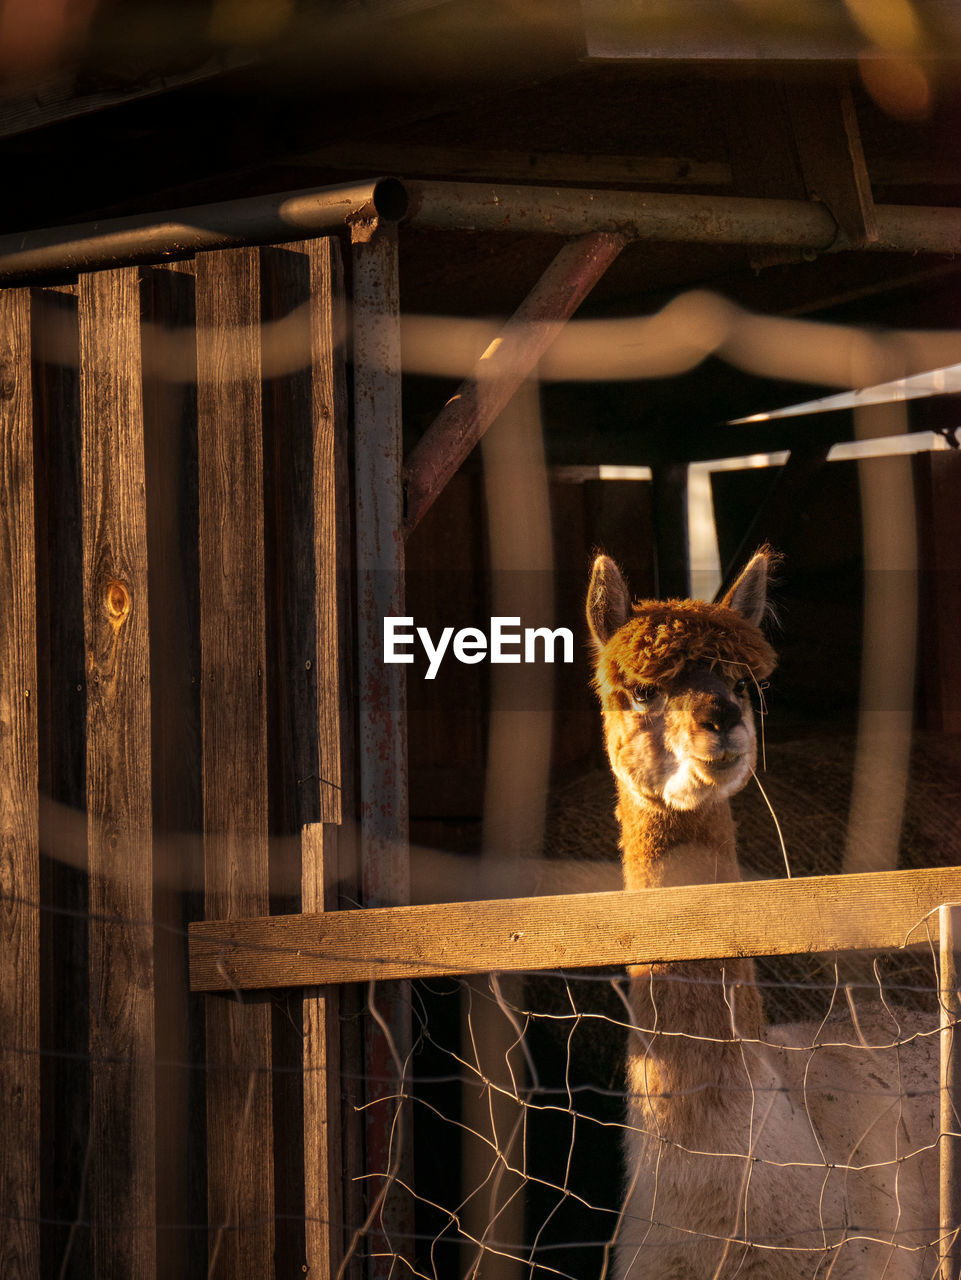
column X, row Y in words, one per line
column 19, row 816
column 174, row 570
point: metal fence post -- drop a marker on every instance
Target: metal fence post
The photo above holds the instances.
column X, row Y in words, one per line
column 382, row 699
column 949, row 920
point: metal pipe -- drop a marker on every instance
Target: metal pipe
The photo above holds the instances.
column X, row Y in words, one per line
column 645, row 215
column 179, row 233
column 503, row 367
column 468, row 206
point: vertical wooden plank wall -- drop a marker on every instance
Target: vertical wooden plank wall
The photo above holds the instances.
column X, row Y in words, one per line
column 382, row 744
column 19, row 848
column 122, row 1187
column 331, row 505
column 233, row 713
column 291, row 732
column 324, row 1180
column 140, row 768
column 65, row 1243
column 380, row 567
column 170, row 441
column 288, row 500
column 292, row 692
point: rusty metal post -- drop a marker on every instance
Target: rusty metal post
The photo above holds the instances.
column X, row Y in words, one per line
column 502, row 368
column 385, row 863
column 949, row 921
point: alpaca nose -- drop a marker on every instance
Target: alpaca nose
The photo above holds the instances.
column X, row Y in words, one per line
column 719, row 716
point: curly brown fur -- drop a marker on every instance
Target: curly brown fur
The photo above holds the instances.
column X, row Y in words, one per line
column 666, row 636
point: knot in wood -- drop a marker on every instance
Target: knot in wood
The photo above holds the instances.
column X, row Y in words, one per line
column 117, row 599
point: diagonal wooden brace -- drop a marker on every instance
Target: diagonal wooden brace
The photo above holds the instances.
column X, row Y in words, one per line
column 503, row 367
column 831, row 155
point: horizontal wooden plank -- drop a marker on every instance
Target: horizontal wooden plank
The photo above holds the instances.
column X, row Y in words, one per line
column 874, row 911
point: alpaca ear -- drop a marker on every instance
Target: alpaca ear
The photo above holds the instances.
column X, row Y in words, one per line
column 608, row 600
column 748, row 596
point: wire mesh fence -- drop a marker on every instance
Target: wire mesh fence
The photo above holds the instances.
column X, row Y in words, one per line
column 590, row 1123
column 576, row 1124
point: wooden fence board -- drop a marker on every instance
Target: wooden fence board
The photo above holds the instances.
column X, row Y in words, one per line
column 122, row 1130
column 289, row 554
column 382, row 722
column 170, row 440
column 331, row 524
column 19, row 803
column 233, row 712
column 293, row 694
column 336, row 712
column 873, row 911
column 323, row 1169
column 62, row 681
column 382, row 738
column 325, row 1183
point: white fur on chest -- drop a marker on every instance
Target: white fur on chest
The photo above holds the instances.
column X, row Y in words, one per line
column 811, row 1162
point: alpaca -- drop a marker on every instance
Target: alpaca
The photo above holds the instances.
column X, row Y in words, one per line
column 749, row 1152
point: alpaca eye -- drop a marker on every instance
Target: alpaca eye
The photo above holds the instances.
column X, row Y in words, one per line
column 642, row 694
column 741, row 686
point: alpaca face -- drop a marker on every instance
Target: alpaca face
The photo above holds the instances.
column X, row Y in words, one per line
column 675, row 680
column 686, row 742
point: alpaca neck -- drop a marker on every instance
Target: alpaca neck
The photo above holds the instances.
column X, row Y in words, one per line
column 706, row 1000
column 662, row 846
